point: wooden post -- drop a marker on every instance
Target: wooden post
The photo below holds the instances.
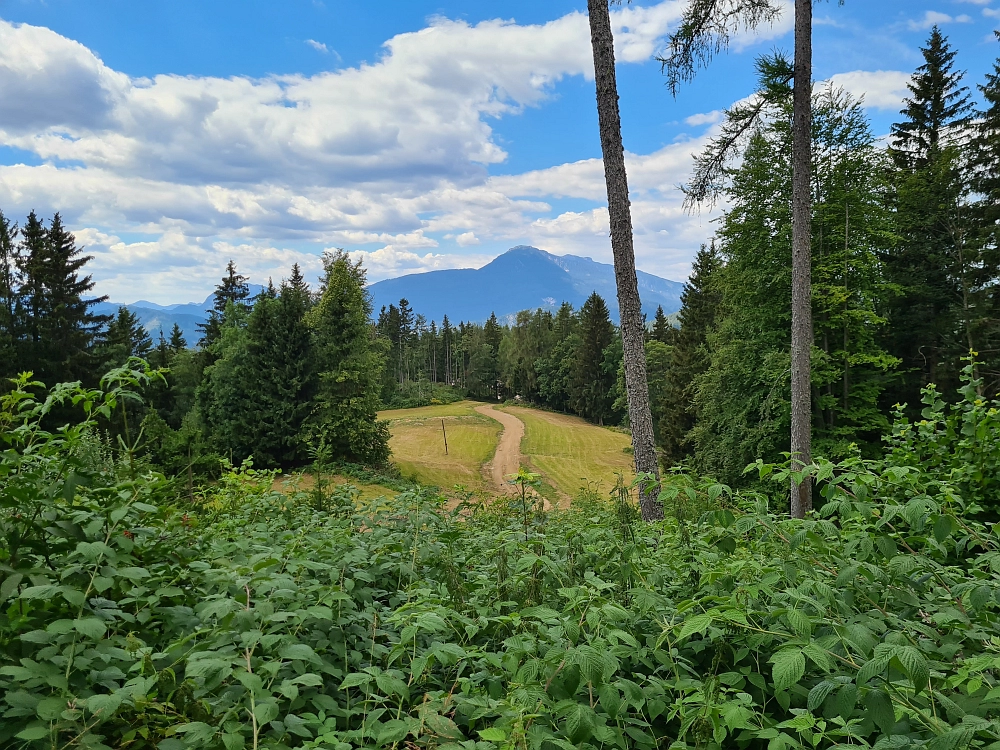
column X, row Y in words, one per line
column 445, row 433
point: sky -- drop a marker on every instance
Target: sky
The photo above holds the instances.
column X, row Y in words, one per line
column 175, row 135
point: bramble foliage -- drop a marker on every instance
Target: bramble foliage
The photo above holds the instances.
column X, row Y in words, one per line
column 258, row 619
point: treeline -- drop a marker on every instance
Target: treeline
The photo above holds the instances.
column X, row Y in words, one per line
column 287, row 377
column 906, row 273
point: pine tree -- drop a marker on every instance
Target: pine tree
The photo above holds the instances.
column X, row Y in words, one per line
column 662, row 330
column 350, row 364
column 9, row 298
column 690, row 357
column 232, row 290
column 61, row 328
column 126, row 337
column 492, row 335
column 930, row 264
column 555, row 371
column 592, row 385
column 177, row 341
column 278, row 373
column 985, row 183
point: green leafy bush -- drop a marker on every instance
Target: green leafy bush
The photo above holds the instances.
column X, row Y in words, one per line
column 266, row 620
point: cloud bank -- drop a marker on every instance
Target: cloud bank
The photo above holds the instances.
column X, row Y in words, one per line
column 165, row 178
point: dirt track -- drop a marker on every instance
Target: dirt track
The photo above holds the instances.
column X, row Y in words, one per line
column 507, row 459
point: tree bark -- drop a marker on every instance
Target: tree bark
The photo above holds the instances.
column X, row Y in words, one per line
column 802, row 330
column 629, row 306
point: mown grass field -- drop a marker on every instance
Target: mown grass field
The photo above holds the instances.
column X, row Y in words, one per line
column 292, row 482
column 418, row 445
column 571, row 453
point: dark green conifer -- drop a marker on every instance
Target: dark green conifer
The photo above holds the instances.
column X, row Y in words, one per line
column 349, row 364
column 10, row 307
column 126, row 337
column 700, row 301
column 662, row 330
column 930, row 322
column 62, row 330
column 177, row 341
column 592, row 384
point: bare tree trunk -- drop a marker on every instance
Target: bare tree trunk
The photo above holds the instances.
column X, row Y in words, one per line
column 629, row 306
column 802, row 330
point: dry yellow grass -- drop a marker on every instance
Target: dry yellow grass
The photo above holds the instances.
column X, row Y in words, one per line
column 458, row 409
column 571, row 453
column 418, row 445
column 292, row 482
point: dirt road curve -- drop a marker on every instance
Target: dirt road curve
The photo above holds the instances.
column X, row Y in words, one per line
column 507, row 459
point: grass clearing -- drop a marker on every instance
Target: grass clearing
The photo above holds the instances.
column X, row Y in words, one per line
column 418, row 445
column 290, row 483
column 457, row 409
column 571, row 453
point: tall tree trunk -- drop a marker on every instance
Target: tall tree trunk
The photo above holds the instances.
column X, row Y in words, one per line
column 629, row 306
column 802, row 330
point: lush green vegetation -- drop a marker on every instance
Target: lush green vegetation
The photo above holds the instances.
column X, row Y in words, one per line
column 132, row 618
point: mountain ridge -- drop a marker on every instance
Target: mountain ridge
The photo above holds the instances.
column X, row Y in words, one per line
column 523, row 278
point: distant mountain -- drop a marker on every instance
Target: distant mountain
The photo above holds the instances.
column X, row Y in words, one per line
column 523, row 278
column 155, row 317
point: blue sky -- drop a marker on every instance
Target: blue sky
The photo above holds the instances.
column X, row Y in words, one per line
column 175, row 135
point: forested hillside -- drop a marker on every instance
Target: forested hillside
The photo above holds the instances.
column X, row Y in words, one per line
column 905, row 266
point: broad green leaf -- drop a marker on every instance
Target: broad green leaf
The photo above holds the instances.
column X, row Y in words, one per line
column 300, row 651
column 880, row 710
column 354, row 680
column 90, row 627
column 104, row 705
column 36, row 732
column 799, row 622
column 819, row 693
column 697, row 624
column 915, row 666
column 875, row 666
column 789, row 668
column 9, row 585
column 492, row 734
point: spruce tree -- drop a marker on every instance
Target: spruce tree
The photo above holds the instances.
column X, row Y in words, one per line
column 592, row 385
column 690, row 357
column 447, row 345
column 177, row 341
column 741, row 400
column 232, row 290
column 555, row 371
column 985, row 184
column 126, row 337
column 62, row 329
column 929, row 320
column 492, row 335
column 279, row 373
column 9, row 298
column 662, row 330
column 350, row 365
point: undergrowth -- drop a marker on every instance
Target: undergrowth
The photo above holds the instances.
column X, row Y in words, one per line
column 261, row 620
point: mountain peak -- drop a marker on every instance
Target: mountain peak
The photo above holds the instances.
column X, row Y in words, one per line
column 523, row 278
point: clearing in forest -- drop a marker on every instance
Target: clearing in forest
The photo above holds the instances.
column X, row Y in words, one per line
column 488, row 443
column 571, row 453
column 418, row 443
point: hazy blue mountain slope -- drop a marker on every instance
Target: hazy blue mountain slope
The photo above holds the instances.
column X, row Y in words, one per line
column 523, row 278
column 154, row 317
